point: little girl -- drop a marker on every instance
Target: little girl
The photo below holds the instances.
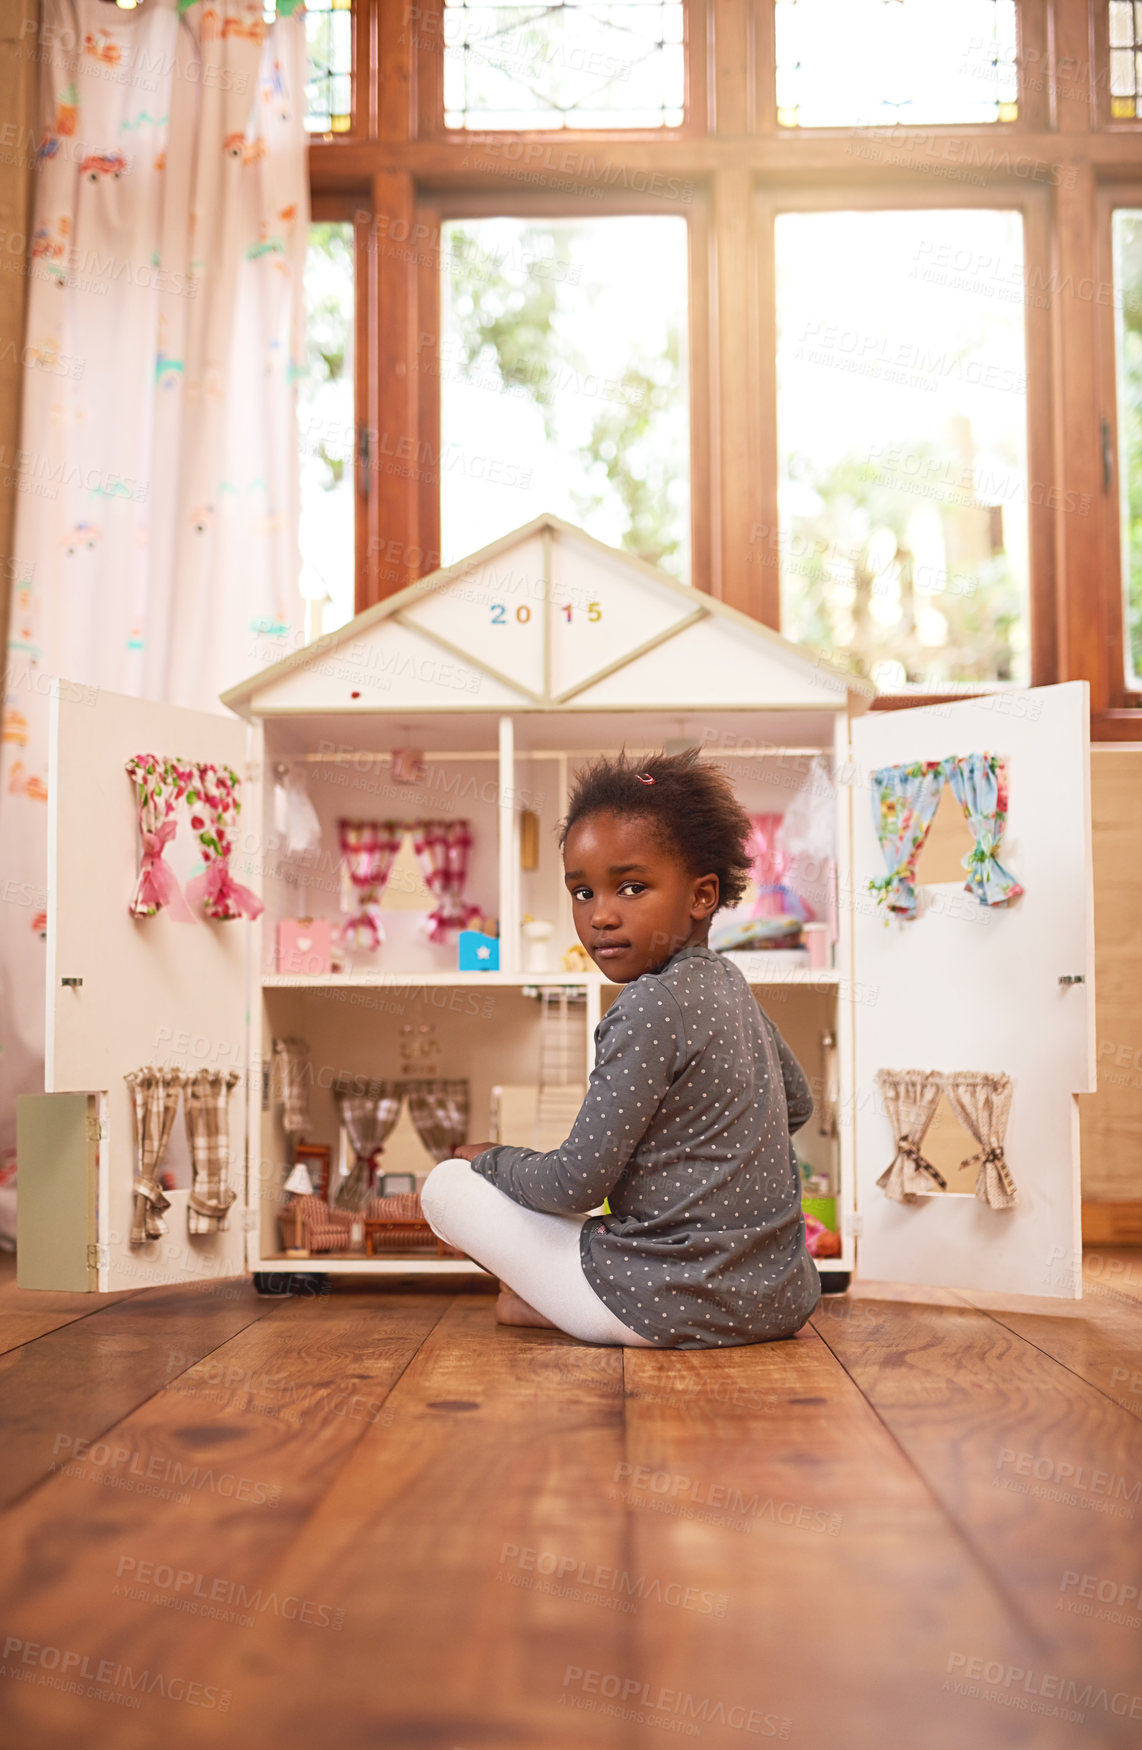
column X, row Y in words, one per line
column 686, row 1124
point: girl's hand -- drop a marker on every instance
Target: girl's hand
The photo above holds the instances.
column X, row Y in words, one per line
column 468, row 1151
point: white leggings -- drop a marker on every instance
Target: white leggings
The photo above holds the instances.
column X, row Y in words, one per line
column 537, row 1255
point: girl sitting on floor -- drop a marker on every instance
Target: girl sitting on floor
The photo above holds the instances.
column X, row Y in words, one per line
column 685, row 1128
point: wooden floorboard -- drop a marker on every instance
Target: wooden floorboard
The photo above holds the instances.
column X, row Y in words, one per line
column 156, row 1550
column 1041, row 1472
column 28, row 1313
column 77, row 1382
column 396, row 1524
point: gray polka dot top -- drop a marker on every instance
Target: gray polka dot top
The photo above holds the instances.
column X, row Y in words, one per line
column 685, row 1130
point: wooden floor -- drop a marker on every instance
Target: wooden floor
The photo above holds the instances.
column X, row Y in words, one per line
column 378, row 1519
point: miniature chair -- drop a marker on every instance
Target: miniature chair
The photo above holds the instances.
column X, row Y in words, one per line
column 397, row 1224
column 319, row 1228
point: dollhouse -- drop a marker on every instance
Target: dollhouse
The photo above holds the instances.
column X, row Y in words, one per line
column 377, row 952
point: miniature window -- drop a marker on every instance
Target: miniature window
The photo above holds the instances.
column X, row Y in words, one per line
column 329, row 78
column 566, row 64
column 904, row 516
column 326, row 430
column 948, row 845
column 1127, row 242
column 564, row 382
column 866, row 63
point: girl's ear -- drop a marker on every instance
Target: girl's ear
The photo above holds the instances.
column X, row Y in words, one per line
column 707, row 891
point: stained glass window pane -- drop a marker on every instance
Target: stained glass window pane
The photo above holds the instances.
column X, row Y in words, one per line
column 1127, row 235
column 563, row 64
column 866, row 63
column 1124, row 24
column 326, row 429
column 329, row 84
column 903, row 493
column 564, row 382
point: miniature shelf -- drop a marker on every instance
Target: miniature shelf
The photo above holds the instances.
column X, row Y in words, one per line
column 809, row 976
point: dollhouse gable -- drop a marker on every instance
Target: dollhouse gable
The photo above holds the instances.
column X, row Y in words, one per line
column 547, row 618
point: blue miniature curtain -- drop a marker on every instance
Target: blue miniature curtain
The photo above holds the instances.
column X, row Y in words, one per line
column 904, row 802
column 979, row 784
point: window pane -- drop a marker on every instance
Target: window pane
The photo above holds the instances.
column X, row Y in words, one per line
column 902, row 432
column 567, row 64
column 1128, row 317
column 1124, row 27
column 329, row 85
column 326, row 430
column 864, row 63
column 564, row 382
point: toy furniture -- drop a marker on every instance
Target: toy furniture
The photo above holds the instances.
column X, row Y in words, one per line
column 506, row 671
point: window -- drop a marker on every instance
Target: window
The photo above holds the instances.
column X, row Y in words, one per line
column 902, row 438
column 859, row 63
column 564, row 381
column 326, row 430
column 1127, row 244
column 567, row 64
column 329, row 81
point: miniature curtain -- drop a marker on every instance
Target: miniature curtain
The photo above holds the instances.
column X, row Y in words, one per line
column 770, row 865
column 979, row 784
column 155, row 1093
column 291, row 1084
column 910, row 1099
column 904, row 802
column 212, row 798
column 982, row 1103
column 160, row 785
column 370, row 849
column 206, row 1108
column 368, row 1110
column 439, row 1111
column 442, row 848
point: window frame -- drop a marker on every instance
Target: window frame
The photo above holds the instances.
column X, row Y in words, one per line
column 400, row 168
column 1123, row 697
column 361, row 26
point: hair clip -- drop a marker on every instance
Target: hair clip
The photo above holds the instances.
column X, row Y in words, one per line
column 644, row 778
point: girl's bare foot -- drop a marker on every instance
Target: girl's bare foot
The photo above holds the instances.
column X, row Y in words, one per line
column 511, row 1310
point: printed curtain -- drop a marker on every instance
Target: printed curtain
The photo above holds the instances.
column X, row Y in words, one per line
column 368, row 1110
column 155, row 1093
column 160, row 784
column 910, row 1099
column 904, row 802
column 214, row 809
column 157, row 473
column 982, row 1103
column 442, row 849
column 369, row 849
column 979, row 784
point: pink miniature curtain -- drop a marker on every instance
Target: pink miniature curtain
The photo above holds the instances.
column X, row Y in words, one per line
column 442, row 849
column 370, row 849
column 214, row 809
column 771, row 864
column 160, row 784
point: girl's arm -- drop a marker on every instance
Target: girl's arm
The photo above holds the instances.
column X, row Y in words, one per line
column 798, row 1099
column 639, row 1043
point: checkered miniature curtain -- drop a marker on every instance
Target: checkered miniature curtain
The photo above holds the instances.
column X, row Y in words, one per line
column 155, row 1093
column 910, row 1099
column 206, row 1108
column 442, row 849
column 982, row 1103
column 291, row 1084
column 439, row 1111
column 368, row 1110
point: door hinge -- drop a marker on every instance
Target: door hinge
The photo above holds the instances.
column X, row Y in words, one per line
column 265, row 1087
column 852, row 1223
column 364, row 460
column 1072, row 978
column 95, row 1129
column 1107, row 455
column 253, row 771
column 98, row 1257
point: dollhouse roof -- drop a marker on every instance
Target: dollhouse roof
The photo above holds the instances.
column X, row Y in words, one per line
column 548, row 618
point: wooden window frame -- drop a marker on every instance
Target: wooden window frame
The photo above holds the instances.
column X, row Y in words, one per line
column 1123, row 699
column 362, row 26
column 1056, row 163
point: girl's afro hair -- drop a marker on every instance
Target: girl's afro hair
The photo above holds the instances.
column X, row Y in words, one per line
column 690, row 804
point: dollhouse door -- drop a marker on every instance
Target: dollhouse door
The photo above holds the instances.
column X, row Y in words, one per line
column 124, row 993
column 965, row 986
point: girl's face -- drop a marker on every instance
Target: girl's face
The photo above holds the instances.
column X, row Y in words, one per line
column 634, row 901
